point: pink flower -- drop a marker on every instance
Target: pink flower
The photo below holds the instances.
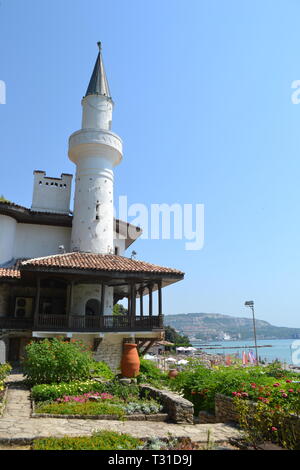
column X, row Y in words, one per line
column 288, row 381
column 245, row 394
column 234, row 393
column 276, row 385
column 273, row 428
column 284, row 395
column 291, row 390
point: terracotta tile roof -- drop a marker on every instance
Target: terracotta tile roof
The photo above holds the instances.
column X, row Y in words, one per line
column 96, row 262
column 12, row 271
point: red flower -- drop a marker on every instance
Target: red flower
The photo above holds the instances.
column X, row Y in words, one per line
column 273, row 428
column 288, row 381
column 284, row 395
column 291, row 390
column 193, row 393
column 276, row 385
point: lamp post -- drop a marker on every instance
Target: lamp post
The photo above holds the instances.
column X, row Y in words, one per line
column 250, row 304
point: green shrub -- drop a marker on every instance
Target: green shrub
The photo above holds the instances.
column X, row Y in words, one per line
column 104, row 440
column 75, row 408
column 4, row 371
column 56, row 360
column 101, row 369
column 200, row 385
column 262, row 423
column 150, row 373
column 51, row 392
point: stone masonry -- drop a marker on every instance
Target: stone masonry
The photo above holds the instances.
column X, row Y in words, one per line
column 178, row 408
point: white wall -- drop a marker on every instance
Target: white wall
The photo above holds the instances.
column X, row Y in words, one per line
column 7, row 238
column 34, row 241
column 19, row 240
column 51, row 194
column 84, row 292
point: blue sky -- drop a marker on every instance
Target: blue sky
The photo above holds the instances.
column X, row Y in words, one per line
column 202, row 92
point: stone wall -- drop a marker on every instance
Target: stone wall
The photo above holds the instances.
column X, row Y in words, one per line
column 225, row 409
column 180, row 410
column 110, row 351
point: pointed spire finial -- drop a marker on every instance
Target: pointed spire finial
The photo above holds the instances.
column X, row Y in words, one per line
column 98, row 83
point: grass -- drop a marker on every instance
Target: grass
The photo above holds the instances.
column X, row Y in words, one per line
column 104, row 440
column 75, row 408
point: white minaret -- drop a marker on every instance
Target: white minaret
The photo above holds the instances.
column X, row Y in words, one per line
column 95, row 150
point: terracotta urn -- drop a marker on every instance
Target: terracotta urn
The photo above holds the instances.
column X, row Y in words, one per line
column 130, row 363
column 173, row 373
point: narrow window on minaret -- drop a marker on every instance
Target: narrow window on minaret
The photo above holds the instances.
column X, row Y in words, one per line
column 97, row 211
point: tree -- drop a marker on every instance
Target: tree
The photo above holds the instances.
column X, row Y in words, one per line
column 3, row 199
column 119, row 309
column 174, row 337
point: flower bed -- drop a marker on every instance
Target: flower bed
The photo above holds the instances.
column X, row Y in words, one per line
column 110, row 440
column 101, row 404
column 200, row 385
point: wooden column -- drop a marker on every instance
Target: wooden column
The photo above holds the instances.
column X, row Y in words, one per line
column 159, row 298
column 37, row 302
column 141, row 301
column 102, row 299
column 69, row 313
column 150, row 287
column 132, row 304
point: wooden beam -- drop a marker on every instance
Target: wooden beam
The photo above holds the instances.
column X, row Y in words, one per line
column 151, row 342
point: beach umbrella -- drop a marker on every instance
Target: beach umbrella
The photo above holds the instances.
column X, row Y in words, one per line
column 182, row 362
column 150, row 357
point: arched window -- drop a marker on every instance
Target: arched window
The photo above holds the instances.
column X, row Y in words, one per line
column 92, row 307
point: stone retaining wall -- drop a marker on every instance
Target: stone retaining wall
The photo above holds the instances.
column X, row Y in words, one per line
column 225, row 410
column 180, row 410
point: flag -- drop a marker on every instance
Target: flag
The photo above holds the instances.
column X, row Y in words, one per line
column 228, row 360
column 251, row 357
column 244, row 358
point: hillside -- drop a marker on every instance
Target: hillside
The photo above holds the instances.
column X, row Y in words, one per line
column 215, row 326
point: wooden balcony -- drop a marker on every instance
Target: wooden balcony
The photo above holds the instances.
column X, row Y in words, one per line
column 78, row 323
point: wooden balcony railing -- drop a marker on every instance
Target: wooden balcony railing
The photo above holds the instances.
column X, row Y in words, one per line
column 84, row 323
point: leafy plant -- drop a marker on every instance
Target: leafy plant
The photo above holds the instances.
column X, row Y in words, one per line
column 200, row 385
column 101, row 369
column 104, row 440
column 51, row 392
column 146, row 407
column 78, row 408
column 56, row 360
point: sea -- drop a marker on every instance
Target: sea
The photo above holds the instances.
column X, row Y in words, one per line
column 285, row 350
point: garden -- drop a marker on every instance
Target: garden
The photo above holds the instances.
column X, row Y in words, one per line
column 65, row 380
column 266, row 398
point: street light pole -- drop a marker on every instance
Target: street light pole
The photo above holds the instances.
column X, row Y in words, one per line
column 250, row 304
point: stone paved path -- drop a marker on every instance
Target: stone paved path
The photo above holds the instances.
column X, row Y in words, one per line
column 16, row 425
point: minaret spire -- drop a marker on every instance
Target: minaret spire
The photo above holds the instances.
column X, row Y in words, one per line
column 98, row 83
